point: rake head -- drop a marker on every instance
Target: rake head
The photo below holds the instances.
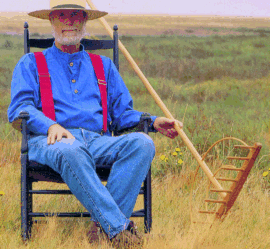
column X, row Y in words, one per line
column 231, row 172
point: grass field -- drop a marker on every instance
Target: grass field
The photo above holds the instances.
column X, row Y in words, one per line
column 12, row 22
column 217, row 85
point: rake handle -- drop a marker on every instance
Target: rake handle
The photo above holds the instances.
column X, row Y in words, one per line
column 161, row 104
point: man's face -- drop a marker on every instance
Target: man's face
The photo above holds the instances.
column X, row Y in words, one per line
column 68, row 26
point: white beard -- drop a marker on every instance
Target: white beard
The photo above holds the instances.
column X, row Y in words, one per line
column 69, row 39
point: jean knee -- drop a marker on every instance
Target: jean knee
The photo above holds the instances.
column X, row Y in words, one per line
column 67, row 152
column 142, row 142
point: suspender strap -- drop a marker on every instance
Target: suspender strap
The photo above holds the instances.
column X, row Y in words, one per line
column 99, row 71
column 45, row 86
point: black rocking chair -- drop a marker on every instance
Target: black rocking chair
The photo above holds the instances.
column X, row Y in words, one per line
column 34, row 172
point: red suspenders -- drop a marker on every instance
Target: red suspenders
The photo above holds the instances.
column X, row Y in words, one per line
column 99, row 71
column 46, row 88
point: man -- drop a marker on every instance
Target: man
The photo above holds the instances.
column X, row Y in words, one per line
column 72, row 145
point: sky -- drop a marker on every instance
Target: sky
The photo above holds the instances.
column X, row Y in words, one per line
column 254, row 8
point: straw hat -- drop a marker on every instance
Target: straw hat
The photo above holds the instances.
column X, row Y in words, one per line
column 67, row 5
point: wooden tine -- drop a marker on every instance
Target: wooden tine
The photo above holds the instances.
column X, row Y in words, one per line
column 207, row 212
column 244, row 146
column 228, row 167
column 219, row 190
column 201, row 222
column 215, row 201
column 237, row 158
column 226, row 179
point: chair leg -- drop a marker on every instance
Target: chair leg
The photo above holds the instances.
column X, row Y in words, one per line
column 24, row 200
column 147, row 203
column 29, row 208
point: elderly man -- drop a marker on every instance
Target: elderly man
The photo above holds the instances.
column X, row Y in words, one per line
column 72, row 144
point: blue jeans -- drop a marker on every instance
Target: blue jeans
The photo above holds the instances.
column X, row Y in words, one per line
column 74, row 159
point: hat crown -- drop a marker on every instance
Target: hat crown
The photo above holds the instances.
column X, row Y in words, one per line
column 67, row 3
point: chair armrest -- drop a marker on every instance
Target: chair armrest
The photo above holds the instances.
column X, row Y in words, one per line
column 143, row 125
column 146, row 120
column 19, row 124
column 18, row 121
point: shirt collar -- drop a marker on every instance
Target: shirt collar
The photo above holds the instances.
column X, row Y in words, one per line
column 66, row 56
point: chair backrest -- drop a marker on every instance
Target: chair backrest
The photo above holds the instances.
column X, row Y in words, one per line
column 87, row 43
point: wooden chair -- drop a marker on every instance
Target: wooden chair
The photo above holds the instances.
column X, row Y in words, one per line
column 34, row 172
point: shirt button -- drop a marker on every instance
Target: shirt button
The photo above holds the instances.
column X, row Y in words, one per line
column 71, row 64
column 76, row 91
column 73, row 81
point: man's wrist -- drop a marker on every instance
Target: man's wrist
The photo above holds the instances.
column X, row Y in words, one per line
column 50, row 127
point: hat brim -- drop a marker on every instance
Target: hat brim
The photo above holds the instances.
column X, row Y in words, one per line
column 44, row 14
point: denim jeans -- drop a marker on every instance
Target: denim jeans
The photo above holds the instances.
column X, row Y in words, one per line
column 74, row 159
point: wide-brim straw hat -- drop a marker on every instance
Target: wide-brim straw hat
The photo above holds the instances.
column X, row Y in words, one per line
column 67, row 5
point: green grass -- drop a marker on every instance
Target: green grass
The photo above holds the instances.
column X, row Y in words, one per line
column 219, row 83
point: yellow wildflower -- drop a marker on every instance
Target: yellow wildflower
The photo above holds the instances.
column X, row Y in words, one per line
column 180, row 161
column 265, row 173
column 166, row 159
column 162, row 157
column 2, row 192
column 181, row 153
column 174, row 154
column 177, row 149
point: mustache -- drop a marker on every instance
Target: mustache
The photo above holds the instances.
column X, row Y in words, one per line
column 69, row 40
column 63, row 30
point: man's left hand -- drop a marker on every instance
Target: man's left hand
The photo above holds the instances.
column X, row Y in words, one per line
column 166, row 126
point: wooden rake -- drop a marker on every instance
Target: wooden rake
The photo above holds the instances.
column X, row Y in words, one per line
column 227, row 197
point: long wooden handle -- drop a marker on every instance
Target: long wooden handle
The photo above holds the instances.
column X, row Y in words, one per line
column 161, row 104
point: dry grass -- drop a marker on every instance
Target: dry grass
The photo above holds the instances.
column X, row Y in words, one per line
column 246, row 226
column 12, row 22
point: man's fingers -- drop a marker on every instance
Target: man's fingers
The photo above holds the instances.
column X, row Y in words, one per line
column 70, row 136
column 53, row 138
column 59, row 136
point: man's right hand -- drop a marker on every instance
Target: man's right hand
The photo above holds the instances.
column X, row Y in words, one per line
column 57, row 132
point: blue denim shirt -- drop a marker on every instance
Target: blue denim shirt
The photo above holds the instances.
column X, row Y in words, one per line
column 76, row 94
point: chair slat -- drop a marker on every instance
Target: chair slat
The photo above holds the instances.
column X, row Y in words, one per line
column 139, row 213
column 97, row 44
column 88, row 44
column 75, row 214
column 52, row 192
column 41, row 43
